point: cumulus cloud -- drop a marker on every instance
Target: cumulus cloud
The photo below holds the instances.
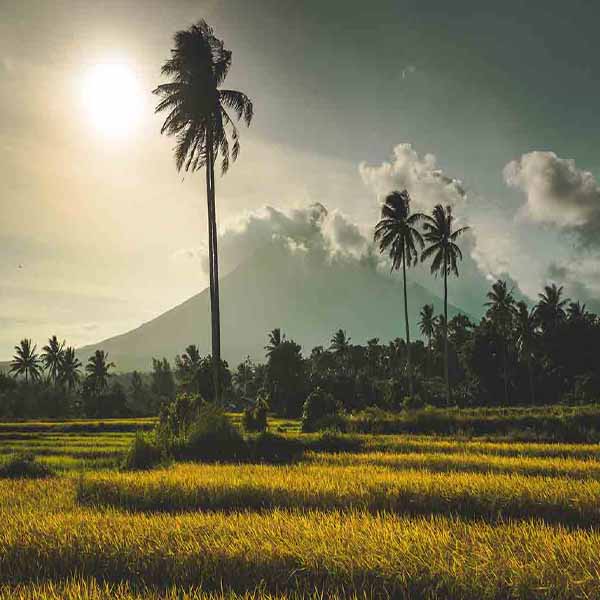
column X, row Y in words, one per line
column 558, row 193
column 426, row 183
column 326, row 235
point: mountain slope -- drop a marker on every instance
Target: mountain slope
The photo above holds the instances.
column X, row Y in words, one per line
column 305, row 295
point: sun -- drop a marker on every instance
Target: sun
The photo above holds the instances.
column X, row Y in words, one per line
column 112, row 98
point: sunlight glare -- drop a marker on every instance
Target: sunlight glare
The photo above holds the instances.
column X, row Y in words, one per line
column 112, row 98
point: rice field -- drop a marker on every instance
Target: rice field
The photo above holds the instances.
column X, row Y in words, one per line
column 401, row 517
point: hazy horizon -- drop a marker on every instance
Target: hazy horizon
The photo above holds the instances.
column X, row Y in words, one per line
column 100, row 234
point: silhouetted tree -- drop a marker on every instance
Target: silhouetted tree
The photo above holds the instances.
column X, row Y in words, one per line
column 427, row 321
column 526, row 329
column 551, row 307
column 98, row 371
column 445, row 255
column 198, row 116
column 398, row 235
column 52, row 354
column 501, row 306
column 275, row 338
column 26, row 361
column 68, row 370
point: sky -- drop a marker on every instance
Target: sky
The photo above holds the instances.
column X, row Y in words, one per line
column 491, row 107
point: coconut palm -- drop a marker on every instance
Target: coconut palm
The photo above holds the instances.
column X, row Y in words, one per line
column 551, row 307
column 576, row 312
column 340, row 346
column 427, row 322
column 526, row 324
column 98, row 370
column 445, row 255
column 397, row 235
column 198, row 116
column 501, row 306
column 52, row 354
column 69, row 368
column 26, row 361
column 275, row 339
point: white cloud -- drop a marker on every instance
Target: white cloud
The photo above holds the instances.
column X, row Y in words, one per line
column 426, row 183
column 325, row 234
column 558, row 193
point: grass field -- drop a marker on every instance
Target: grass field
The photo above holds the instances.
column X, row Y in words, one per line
column 403, row 517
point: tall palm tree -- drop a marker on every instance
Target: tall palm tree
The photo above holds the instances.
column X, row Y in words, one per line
column 52, row 354
column 275, row 339
column 526, row 328
column 98, row 370
column 551, row 307
column 26, row 361
column 427, row 322
column 501, row 306
column 397, row 234
column 70, row 365
column 445, row 255
column 198, row 116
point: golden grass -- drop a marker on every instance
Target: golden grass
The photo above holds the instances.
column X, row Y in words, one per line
column 476, row 463
column 433, row 557
column 331, row 487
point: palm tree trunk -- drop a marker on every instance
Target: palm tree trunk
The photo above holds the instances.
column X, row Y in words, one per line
column 446, row 369
column 410, row 377
column 211, row 261
column 217, row 308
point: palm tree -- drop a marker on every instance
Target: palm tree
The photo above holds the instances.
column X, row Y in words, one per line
column 70, row 365
column 26, row 361
column 340, row 346
column 397, row 234
column 427, row 322
column 501, row 305
column 198, row 116
column 188, row 367
column 98, row 368
column 445, row 254
column 52, row 354
column 275, row 339
column 526, row 328
column 551, row 307
column 576, row 312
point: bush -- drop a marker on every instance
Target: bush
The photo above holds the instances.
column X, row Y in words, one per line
column 318, row 405
column 254, row 418
column 175, row 418
column 272, row 448
column 142, row 454
column 24, row 466
column 211, row 436
column 412, row 403
column 333, row 441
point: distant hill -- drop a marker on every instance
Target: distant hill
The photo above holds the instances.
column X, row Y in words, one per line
column 305, row 295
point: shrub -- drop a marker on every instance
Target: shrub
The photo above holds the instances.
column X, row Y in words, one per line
column 272, row 448
column 24, row 466
column 318, row 404
column 142, row 454
column 254, row 418
column 211, row 436
column 412, row 403
column 175, row 418
column 333, row 441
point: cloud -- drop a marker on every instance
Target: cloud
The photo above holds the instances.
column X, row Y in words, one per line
column 558, row 193
column 426, row 183
column 326, row 235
